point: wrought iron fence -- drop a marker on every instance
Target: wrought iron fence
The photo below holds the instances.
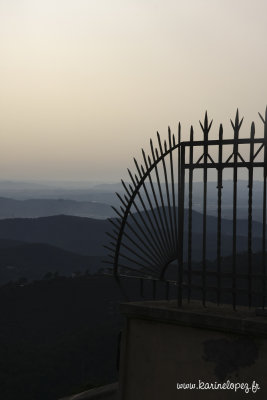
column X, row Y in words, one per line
column 153, row 229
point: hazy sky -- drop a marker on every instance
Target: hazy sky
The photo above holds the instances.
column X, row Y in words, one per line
column 84, row 84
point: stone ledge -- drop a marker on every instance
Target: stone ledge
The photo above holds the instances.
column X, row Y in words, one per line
column 107, row 392
column 220, row 318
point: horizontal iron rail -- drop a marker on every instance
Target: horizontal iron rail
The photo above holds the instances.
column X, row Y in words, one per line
column 222, row 165
column 214, row 142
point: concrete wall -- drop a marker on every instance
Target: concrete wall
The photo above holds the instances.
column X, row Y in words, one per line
column 163, row 346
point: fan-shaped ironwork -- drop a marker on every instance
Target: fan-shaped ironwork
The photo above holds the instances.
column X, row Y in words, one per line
column 148, row 234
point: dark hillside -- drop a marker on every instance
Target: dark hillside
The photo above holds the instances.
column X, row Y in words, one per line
column 77, row 234
column 86, row 236
column 35, row 260
column 57, row 337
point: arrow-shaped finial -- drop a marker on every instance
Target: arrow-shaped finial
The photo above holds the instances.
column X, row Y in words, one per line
column 237, row 125
column 207, row 126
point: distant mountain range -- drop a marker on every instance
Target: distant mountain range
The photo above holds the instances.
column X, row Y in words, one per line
column 79, row 191
column 89, row 200
column 86, row 236
column 61, row 227
column 32, row 208
column 31, row 247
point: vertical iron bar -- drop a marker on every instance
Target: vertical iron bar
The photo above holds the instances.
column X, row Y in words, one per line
column 250, row 199
column 219, row 214
column 173, row 191
column 264, row 215
column 189, row 257
column 234, row 231
column 205, row 130
column 179, row 302
column 264, row 240
column 236, row 128
column 204, row 227
column 181, row 224
column 179, row 180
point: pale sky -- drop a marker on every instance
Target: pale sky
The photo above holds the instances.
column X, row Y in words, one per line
column 84, row 84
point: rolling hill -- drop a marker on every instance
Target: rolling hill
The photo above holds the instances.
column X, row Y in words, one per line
column 86, row 236
column 32, row 208
column 36, row 260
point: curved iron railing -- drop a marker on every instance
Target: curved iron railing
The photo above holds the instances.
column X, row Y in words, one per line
column 148, row 235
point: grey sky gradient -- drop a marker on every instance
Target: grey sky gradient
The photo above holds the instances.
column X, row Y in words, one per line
column 86, row 83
